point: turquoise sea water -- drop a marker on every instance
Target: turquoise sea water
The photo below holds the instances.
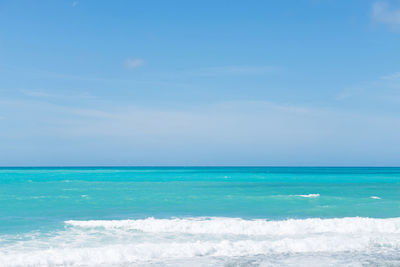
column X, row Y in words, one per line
column 272, row 216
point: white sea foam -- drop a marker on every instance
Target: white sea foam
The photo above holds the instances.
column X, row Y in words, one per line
column 309, row 195
column 135, row 253
column 249, row 227
column 375, row 197
column 148, row 241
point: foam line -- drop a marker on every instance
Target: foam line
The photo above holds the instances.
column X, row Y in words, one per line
column 239, row 226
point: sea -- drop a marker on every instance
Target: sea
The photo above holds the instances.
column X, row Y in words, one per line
column 200, row 216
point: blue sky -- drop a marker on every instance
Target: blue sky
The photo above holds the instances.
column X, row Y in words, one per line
column 305, row 82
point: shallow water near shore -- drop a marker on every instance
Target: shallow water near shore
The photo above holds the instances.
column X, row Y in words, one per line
column 202, row 216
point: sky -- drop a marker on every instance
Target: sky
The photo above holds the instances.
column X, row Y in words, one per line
column 241, row 83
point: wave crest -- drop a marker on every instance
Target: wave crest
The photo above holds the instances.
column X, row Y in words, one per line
column 139, row 242
column 309, row 195
column 239, row 226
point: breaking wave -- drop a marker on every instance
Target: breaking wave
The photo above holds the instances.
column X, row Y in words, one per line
column 238, row 226
column 147, row 241
column 309, row 195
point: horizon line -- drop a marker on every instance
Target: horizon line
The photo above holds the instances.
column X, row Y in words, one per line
column 201, row 166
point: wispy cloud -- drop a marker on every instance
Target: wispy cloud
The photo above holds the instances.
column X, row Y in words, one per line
column 236, row 70
column 383, row 90
column 46, row 94
column 75, row 3
column 36, row 93
column 393, row 76
column 221, row 122
column 221, row 133
column 221, row 71
column 384, row 13
column 134, row 63
column 350, row 93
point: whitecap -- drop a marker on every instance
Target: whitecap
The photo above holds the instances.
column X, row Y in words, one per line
column 146, row 241
column 309, row 195
column 238, row 226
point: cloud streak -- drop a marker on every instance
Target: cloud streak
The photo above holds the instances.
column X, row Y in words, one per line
column 235, row 70
column 241, row 132
column 133, row 63
column 47, row 94
column 393, row 76
column 384, row 13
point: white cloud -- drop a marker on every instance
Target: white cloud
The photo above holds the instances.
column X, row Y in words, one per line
column 384, row 13
column 134, row 63
column 75, row 3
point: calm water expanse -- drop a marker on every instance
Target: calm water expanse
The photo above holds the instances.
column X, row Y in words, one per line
column 202, row 216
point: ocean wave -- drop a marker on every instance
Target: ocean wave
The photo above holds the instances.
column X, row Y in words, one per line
column 308, row 195
column 142, row 252
column 136, row 242
column 240, row 226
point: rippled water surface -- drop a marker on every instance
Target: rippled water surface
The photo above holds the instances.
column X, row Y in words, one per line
column 176, row 216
